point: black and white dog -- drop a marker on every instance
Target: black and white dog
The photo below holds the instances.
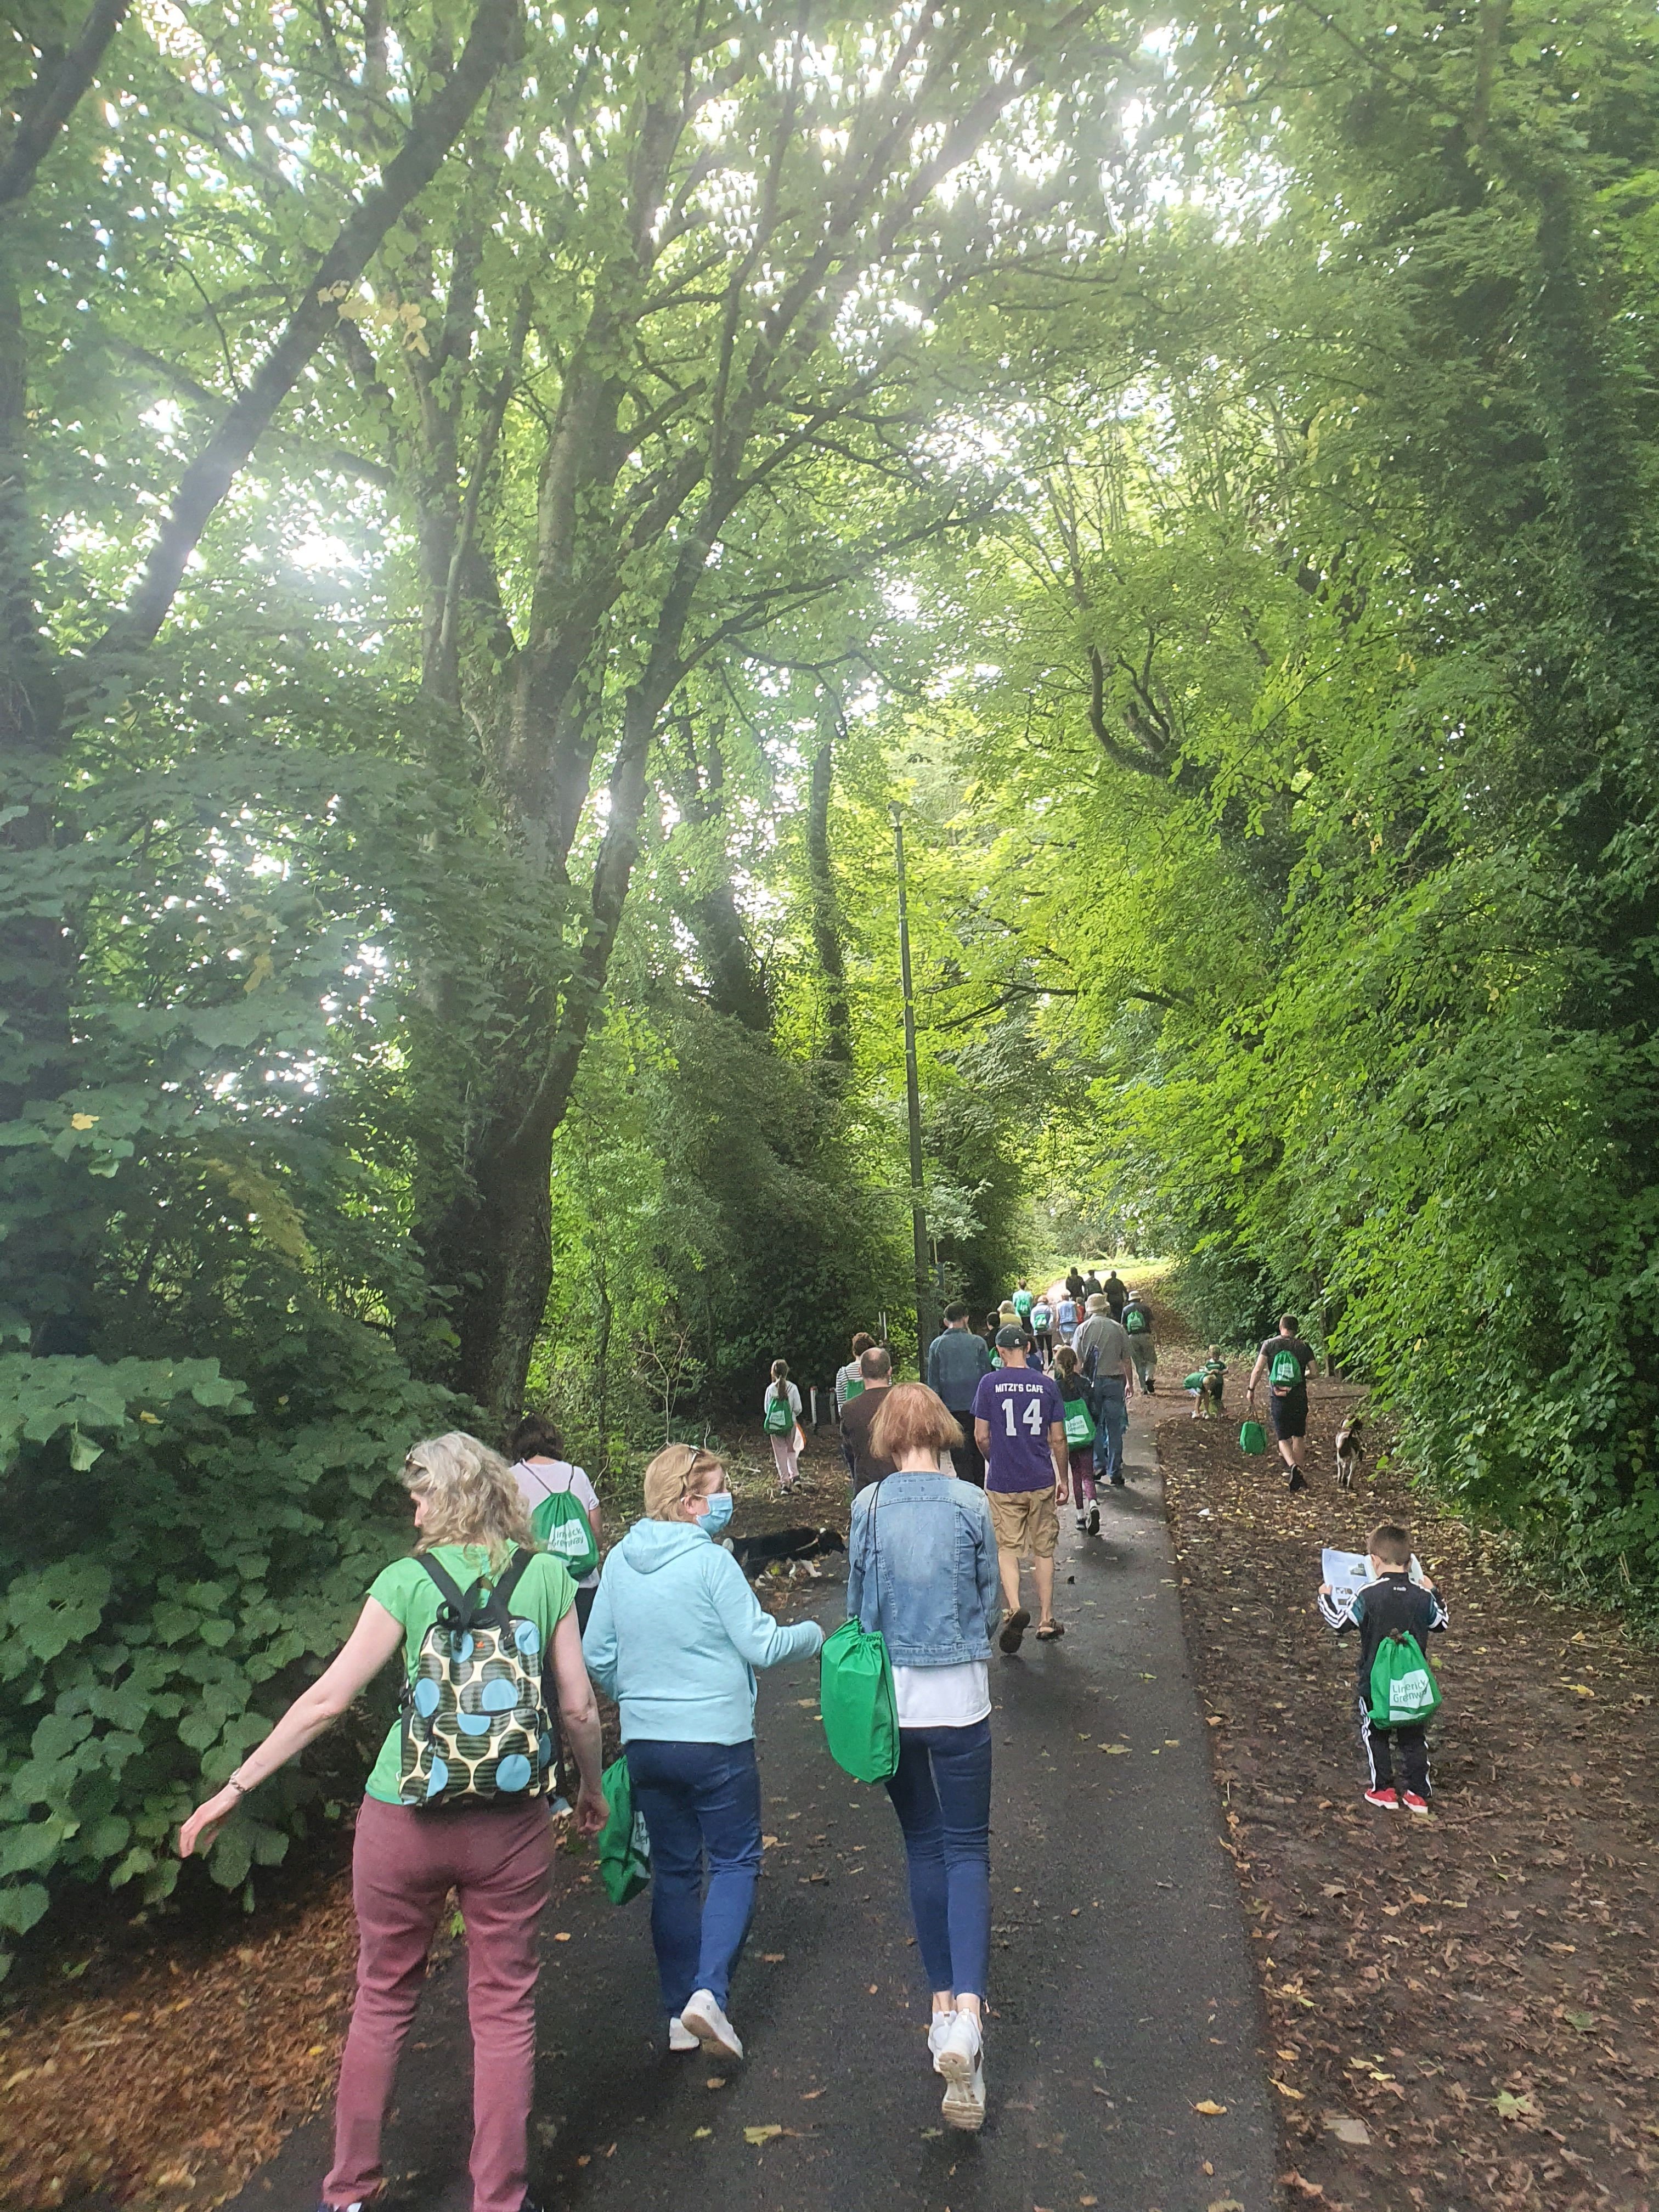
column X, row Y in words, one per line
column 779, row 1546
column 1349, row 1452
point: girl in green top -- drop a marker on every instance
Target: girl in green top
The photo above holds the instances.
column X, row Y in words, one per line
column 496, row 1853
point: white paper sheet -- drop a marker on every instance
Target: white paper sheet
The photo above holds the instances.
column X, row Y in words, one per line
column 1348, row 1572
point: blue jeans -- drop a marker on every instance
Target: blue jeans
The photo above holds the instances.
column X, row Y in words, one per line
column 699, row 1797
column 942, row 1795
column 1111, row 1412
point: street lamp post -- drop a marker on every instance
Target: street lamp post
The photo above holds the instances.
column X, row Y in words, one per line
column 924, row 1317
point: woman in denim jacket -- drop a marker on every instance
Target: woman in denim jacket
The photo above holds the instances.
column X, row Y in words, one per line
column 922, row 1569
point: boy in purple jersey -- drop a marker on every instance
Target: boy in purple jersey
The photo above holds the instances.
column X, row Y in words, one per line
column 1019, row 1424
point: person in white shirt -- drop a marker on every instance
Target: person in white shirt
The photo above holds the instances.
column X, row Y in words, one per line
column 541, row 1470
column 922, row 1568
column 782, row 1398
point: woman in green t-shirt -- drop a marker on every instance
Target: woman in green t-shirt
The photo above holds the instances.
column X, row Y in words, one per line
column 426, row 1825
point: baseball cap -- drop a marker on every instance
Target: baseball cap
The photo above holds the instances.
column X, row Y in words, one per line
column 1009, row 1340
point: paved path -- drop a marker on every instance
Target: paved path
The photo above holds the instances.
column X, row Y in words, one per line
column 1123, row 1997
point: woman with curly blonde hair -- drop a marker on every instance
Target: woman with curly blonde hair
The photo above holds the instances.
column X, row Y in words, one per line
column 485, row 1627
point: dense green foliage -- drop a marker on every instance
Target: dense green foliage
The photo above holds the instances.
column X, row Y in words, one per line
column 1320, row 721
column 495, row 513
column 451, row 462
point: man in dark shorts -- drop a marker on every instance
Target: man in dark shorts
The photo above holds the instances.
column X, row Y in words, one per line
column 1286, row 1360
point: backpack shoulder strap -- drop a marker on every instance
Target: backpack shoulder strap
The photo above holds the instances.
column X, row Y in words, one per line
column 455, row 1610
column 503, row 1595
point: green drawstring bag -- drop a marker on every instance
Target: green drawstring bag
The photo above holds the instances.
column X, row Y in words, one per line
column 857, row 1702
column 1080, row 1424
column 1403, row 1690
column 623, row 1847
column 856, row 1695
column 1253, row 1437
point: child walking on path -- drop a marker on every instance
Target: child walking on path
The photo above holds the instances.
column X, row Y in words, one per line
column 781, row 1418
column 1390, row 1605
column 1080, row 1448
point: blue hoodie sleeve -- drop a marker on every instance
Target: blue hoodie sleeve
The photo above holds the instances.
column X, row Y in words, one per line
column 753, row 1632
column 600, row 1641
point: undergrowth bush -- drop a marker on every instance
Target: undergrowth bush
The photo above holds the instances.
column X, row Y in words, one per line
column 182, row 1550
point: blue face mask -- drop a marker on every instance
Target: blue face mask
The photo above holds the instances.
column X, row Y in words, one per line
column 716, row 1512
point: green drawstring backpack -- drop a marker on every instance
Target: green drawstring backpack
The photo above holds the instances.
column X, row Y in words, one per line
column 1080, row 1424
column 779, row 1417
column 623, row 1847
column 560, row 1522
column 1403, row 1690
column 1253, row 1437
column 856, row 1696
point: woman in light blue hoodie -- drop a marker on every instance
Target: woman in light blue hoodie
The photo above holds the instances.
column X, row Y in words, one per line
column 675, row 1636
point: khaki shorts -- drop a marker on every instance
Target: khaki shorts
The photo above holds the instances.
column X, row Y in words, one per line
column 1025, row 1521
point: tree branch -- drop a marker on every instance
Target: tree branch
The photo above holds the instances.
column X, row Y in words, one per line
column 209, row 478
column 53, row 104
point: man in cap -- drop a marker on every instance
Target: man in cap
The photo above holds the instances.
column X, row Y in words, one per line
column 1019, row 1424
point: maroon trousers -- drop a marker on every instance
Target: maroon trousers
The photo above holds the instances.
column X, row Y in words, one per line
column 404, row 1865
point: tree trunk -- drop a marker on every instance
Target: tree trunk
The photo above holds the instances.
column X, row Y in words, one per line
column 498, row 1247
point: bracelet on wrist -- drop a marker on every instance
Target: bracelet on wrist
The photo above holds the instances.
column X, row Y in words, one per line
column 234, row 1783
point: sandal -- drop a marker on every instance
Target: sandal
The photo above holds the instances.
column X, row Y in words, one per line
column 1047, row 1635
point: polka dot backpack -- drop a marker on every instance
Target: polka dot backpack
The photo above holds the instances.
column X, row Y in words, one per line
column 474, row 1720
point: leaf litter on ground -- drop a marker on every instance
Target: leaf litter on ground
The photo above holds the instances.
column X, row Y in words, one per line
column 1466, row 1962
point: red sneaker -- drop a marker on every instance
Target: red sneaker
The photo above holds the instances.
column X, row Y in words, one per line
column 1413, row 1802
column 1385, row 1798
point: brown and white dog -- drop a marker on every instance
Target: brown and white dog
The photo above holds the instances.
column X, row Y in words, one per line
column 1349, row 1452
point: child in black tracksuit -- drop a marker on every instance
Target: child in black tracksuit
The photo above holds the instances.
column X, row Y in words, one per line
column 1389, row 1602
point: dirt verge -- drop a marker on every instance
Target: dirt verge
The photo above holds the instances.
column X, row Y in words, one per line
column 1461, row 2008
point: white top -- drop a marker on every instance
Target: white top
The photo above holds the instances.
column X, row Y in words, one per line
column 772, row 1389
column 545, row 1478
column 851, row 1373
column 943, row 1697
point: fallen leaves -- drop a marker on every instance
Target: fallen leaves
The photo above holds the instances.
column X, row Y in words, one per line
column 1209, row 2107
column 768, row 2131
column 1510, row 2107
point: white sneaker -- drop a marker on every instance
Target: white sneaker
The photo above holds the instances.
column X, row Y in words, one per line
column 939, row 2031
column 680, row 2037
column 961, row 2061
column 705, row 2020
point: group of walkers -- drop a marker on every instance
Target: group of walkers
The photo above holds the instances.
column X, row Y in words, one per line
column 502, row 1621
column 498, row 1646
